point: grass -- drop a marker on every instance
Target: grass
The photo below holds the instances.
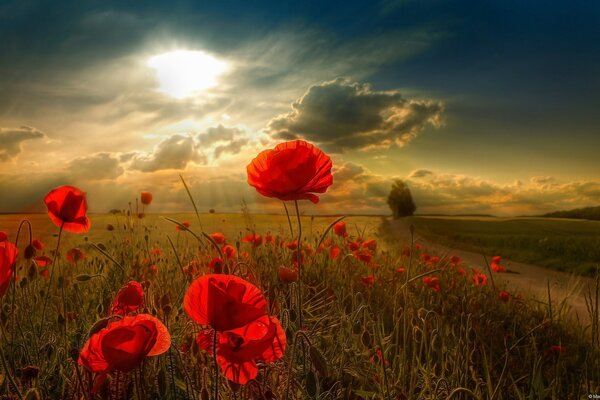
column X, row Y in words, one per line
column 561, row 244
column 396, row 338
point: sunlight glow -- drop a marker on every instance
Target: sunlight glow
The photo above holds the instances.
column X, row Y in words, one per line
column 182, row 73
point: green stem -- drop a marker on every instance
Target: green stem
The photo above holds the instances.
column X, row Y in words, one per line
column 299, row 255
column 47, row 294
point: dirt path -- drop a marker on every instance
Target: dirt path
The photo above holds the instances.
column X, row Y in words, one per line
column 520, row 278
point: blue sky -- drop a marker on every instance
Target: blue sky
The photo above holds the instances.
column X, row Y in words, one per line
column 496, row 100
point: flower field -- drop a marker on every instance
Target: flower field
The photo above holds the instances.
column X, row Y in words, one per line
column 207, row 306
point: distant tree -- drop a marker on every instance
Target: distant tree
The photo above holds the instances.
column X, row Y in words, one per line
column 400, row 200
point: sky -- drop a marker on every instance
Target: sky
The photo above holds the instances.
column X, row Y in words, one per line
column 481, row 107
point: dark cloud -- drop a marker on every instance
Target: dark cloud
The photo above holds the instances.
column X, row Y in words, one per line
column 174, row 152
column 12, row 138
column 341, row 114
column 96, row 166
column 233, row 147
column 420, row 173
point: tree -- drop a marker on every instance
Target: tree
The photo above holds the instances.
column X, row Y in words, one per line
column 400, row 200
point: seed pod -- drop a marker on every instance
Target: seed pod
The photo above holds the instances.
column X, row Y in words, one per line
column 319, row 361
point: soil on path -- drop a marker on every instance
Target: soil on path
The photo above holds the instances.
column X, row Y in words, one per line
column 522, row 278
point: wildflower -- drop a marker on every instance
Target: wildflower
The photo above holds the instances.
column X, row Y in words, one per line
column 433, row 282
column 504, row 296
column 218, row 237
column 123, row 344
column 110, row 227
column 8, row 258
column 224, row 302
column 239, row 350
column 288, row 275
column 156, row 252
column 229, row 251
column 556, row 349
column 340, row 229
column 353, row 246
column 334, row 252
column 479, row 278
column 67, row 207
column 146, row 198
column 370, row 244
column 42, row 261
column 367, row 281
column 400, row 270
column 269, row 238
column 75, row 255
column 253, row 238
column 216, row 265
column 37, row 244
column 293, row 170
column 186, row 225
column 129, row 298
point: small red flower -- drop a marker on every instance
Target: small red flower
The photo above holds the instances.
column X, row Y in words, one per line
column 218, row 237
column 43, row 261
column 496, row 267
column 288, row 275
column 479, row 278
column 216, row 265
column 433, row 282
column 123, row 344
column 186, row 225
column 146, row 198
column 75, row 255
column 370, row 244
column 496, row 259
column 224, row 302
column 293, row 170
column 67, row 207
column 367, row 281
column 239, row 350
column 129, row 298
column 556, row 349
column 340, row 229
column 363, row 255
column 269, row 238
column 353, row 246
column 8, row 258
column 37, row 244
column 156, row 252
column 334, row 252
column 400, row 270
column 293, row 245
column 253, row 238
column 504, row 296
column 229, row 251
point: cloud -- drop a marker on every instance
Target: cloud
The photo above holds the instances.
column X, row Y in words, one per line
column 341, row 114
column 96, row 166
column 217, row 134
column 233, row 147
column 12, row 138
column 420, row 173
column 174, row 152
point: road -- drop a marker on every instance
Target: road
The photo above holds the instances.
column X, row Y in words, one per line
column 527, row 279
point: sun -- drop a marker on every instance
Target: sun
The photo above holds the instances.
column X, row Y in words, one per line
column 182, row 73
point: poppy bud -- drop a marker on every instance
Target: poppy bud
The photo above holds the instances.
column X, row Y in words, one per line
column 146, row 198
column 288, row 275
column 29, row 252
column 110, row 227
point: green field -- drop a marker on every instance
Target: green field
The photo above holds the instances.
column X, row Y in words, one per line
column 561, row 244
column 234, row 226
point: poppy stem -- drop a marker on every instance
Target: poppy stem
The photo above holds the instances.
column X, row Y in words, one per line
column 287, row 213
column 216, row 381
column 299, row 256
column 47, row 294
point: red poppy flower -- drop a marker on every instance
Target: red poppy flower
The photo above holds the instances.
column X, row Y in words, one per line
column 334, row 252
column 433, row 282
column 370, row 244
column 186, row 225
column 401, row 270
column 269, row 238
column 504, row 296
column 124, row 343
column 216, row 264
column 156, row 252
column 67, row 207
column 293, row 170
column 417, row 246
column 43, row 261
column 8, row 257
column 363, row 255
column 37, row 244
column 218, row 237
column 75, row 255
column 3, row 236
column 455, row 261
column 239, row 350
column 229, row 251
column 353, row 246
column 497, row 267
column 293, row 245
column 340, row 229
column 224, row 302
column 288, row 275
column 367, row 281
column 496, row 259
column 146, row 198
column 129, row 298
column 253, row 238
column 479, row 278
